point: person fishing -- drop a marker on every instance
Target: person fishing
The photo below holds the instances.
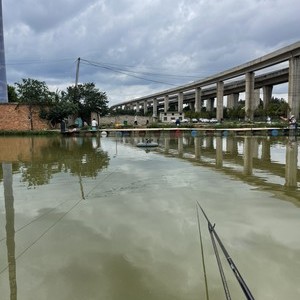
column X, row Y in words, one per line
column 291, row 121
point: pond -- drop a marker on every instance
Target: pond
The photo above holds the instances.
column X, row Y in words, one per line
column 99, row 218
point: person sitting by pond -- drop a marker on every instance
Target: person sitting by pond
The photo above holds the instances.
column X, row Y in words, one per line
column 94, row 124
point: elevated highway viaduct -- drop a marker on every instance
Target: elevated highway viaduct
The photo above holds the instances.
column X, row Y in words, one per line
column 230, row 83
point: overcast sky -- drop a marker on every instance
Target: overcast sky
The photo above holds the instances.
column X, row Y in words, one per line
column 132, row 48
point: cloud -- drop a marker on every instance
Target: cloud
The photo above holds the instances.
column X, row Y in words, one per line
column 180, row 38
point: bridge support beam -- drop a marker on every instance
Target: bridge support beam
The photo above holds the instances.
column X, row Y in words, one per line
column 256, row 98
column 267, row 95
column 137, row 107
column 145, row 107
column 198, row 103
column 154, row 109
column 294, row 86
column 166, row 103
column 210, row 104
column 232, row 100
column 249, row 97
column 220, row 100
column 180, row 102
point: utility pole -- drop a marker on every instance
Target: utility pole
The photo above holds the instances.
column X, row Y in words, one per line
column 3, row 82
column 77, row 71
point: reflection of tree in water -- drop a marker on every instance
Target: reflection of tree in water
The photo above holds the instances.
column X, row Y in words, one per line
column 76, row 156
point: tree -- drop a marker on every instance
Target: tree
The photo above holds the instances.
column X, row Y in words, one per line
column 33, row 92
column 59, row 109
column 12, row 94
column 89, row 99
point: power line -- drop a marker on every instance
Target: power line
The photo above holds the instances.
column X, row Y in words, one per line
column 124, row 72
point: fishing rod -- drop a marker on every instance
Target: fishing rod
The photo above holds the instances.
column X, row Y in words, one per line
column 232, row 265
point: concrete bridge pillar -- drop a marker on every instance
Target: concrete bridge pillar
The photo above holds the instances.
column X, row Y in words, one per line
column 166, row 103
column 256, row 98
column 294, row 85
column 267, row 95
column 210, row 104
column 129, row 106
column 198, row 103
column 180, row 102
column 232, row 100
column 154, row 108
column 220, row 100
column 145, row 107
column 137, row 107
column 192, row 106
column 249, row 96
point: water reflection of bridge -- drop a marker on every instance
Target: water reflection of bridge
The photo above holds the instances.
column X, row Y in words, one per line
column 262, row 161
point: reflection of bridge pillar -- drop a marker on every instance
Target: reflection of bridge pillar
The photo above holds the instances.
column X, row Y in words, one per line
column 210, row 104
column 249, row 96
column 232, row 100
column 294, row 85
column 248, row 160
column 166, row 103
column 220, row 100
column 197, row 145
column 180, row 146
column 180, row 102
column 198, row 104
column 291, row 162
column 267, row 95
column 219, row 152
column 145, row 107
column 167, row 144
column 231, row 146
column 255, row 148
column 265, row 150
column 209, row 142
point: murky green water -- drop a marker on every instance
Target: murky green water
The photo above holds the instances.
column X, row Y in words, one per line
column 99, row 218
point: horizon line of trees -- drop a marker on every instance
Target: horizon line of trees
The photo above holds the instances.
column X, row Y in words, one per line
column 54, row 107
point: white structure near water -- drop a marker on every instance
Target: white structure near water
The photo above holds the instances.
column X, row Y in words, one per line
column 171, row 117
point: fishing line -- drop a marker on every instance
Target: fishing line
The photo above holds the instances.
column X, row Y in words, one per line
column 232, row 265
column 36, row 219
column 43, row 234
column 202, row 254
column 96, row 185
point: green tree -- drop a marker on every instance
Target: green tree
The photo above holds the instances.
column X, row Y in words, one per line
column 88, row 99
column 59, row 109
column 12, row 94
column 33, row 93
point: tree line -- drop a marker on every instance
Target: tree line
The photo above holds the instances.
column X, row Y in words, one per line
column 275, row 108
column 80, row 100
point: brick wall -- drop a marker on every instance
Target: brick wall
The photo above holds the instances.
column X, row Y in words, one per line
column 13, row 117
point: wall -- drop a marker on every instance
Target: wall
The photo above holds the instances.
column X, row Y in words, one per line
column 121, row 118
column 13, row 117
